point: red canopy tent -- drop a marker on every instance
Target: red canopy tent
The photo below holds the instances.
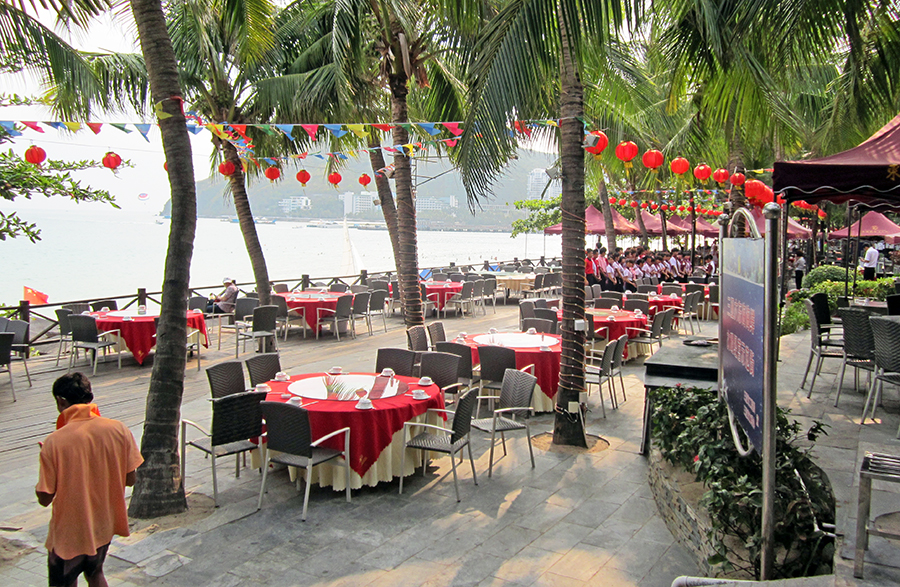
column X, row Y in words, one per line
column 707, row 230
column 795, row 230
column 594, row 223
column 874, row 225
column 867, row 173
column 653, row 224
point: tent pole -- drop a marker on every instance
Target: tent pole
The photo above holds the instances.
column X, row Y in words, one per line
column 693, row 237
column 858, row 235
column 847, row 253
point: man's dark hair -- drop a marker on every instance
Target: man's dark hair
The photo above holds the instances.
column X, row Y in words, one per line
column 75, row 388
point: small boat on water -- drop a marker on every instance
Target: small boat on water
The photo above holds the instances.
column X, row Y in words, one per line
column 263, row 220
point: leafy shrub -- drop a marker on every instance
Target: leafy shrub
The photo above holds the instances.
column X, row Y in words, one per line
column 824, row 273
column 878, row 289
column 794, row 317
column 691, row 429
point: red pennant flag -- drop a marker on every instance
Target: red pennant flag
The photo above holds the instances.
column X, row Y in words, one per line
column 383, row 127
column 32, row 125
column 451, row 142
column 33, row 296
column 311, row 130
column 453, row 127
column 95, row 126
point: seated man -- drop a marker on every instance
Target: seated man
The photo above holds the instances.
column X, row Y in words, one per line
column 224, row 302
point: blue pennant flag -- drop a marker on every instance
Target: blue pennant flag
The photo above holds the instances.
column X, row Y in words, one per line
column 194, row 129
column 285, row 128
column 56, row 125
column 429, row 128
column 319, row 156
column 269, row 160
column 335, row 129
column 341, row 156
column 144, row 129
column 10, row 128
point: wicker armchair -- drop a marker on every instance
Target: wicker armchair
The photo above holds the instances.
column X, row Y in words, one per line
column 514, row 400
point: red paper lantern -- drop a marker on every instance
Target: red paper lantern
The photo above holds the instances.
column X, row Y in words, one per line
column 690, row 208
column 664, row 208
column 679, row 165
column 335, row 178
column 303, row 177
column 702, row 172
column 654, row 206
column 272, row 173
column 364, row 179
column 634, row 204
column 35, row 155
column 111, row 161
column 652, row 159
column 613, row 200
column 166, row 165
column 626, row 151
column 753, row 189
column 738, row 179
column 822, row 214
column 681, row 208
column 227, row 168
column 644, row 205
column 720, row 175
column 622, row 202
column 602, row 142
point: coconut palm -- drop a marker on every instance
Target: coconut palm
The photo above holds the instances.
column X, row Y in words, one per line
column 529, row 65
column 222, row 47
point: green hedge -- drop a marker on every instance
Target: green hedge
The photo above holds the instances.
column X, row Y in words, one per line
column 824, row 273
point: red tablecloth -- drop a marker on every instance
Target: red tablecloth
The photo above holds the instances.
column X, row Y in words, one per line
column 443, row 289
column 705, row 289
column 139, row 333
column 311, row 304
column 660, row 303
column 623, row 321
column 546, row 363
column 371, row 431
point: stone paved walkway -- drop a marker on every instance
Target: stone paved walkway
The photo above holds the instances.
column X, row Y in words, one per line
column 586, row 520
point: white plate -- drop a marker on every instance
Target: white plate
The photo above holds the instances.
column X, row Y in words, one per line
column 426, row 381
column 420, row 397
column 359, row 407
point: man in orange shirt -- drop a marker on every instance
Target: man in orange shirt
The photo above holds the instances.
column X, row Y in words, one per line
column 85, row 466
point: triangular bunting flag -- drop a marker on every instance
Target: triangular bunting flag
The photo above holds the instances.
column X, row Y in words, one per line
column 335, row 129
column 522, row 127
column 285, row 128
column 341, row 156
column 319, row 156
column 192, row 128
column 358, row 130
column 311, row 130
column 429, row 128
column 405, row 125
column 94, row 126
column 451, row 142
column 144, row 129
column 241, row 129
column 453, row 127
column 266, row 128
column 121, row 127
column 269, row 160
column 56, row 125
column 32, row 126
column 10, row 128
column 383, row 127
column 73, row 126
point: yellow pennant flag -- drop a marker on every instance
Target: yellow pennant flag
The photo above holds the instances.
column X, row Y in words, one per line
column 357, row 129
column 73, row 126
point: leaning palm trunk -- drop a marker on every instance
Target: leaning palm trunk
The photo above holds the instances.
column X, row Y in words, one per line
column 386, row 197
column 406, row 207
column 159, row 490
column 569, row 428
column 237, row 182
column 608, row 227
column 645, row 238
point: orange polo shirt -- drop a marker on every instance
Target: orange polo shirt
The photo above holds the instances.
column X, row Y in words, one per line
column 84, row 463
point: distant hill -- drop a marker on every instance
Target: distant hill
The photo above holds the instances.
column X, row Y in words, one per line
column 214, row 200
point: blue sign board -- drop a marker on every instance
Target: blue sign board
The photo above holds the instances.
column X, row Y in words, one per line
column 742, row 299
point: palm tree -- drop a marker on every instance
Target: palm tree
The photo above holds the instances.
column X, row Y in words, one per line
column 222, row 47
column 529, row 64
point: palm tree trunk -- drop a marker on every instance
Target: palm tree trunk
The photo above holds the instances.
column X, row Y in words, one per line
column 662, row 223
column 386, row 196
column 605, row 207
column 406, row 208
column 645, row 238
column 568, row 428
column 159, row 489
column 237, row 182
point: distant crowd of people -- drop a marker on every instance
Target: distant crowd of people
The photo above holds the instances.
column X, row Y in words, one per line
column 622, row 269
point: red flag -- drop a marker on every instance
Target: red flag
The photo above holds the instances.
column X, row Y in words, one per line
column 33, row 296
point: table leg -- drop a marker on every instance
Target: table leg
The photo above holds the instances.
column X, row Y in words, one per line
column 862, row 524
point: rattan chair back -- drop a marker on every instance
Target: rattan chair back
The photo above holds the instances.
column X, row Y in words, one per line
column 516, row 391
column 280, row 288
column 440, row 277
column 436, row 333
column 540, row 325
column 338, row 287
column 621, row 347
column 236, row 417
column 262, row 368
column 672, row 289
column 77, row 308
column 893, row 304
column 540, row 304
column 462, row 417
column 243, row 307
column 264, row 318
column 402, row 361
column 633, row 305
column 647, row 289
column 343, row 308
column 84, row 328
column 886, row 330
column 612, row 295
column 526, row 309
column 443, row 368
column 287, row 428
column 198, row 303
column 545, row 314
column 6, row 341
column 417, row 338
column 62, row 317
column 859, row 342
column 464, row 370
column 226, row 379
column 109, row 304
column 695, row 287
column 605, row 303
column 495, row 360
column 597, row 290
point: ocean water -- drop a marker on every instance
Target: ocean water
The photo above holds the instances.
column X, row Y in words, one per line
column 87, row 253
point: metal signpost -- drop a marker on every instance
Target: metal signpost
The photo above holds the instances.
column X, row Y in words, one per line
column 748, row 340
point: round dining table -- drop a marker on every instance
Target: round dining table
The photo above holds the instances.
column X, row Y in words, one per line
column 138, row 331
column 441, row 291
column 658, row 303
column 376, row 434
column 310, row 302
column 615, row 323
column 528, row 348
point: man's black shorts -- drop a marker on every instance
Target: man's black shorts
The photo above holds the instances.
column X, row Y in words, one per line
column 63, row 573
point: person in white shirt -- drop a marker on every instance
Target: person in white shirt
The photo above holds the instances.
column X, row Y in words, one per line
column 799, row 269
column 870, row 262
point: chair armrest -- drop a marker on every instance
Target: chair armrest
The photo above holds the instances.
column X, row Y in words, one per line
column 451, row 386
column 599, row 328
column 528, row 368
column 502, row 410
column 438, row 410
column 320, row 310
column 186, row 423
column 488, row 397
column 298, row 311
column 432, row 426
column 638, row 329
column 318, row 441
column 116, row 331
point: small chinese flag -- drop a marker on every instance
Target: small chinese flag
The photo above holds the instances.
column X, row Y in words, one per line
column 33, row 296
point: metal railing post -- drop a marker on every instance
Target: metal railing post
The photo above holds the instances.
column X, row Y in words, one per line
column 142, row 296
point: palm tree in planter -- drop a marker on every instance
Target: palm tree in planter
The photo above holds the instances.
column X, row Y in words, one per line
column 528, row 64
